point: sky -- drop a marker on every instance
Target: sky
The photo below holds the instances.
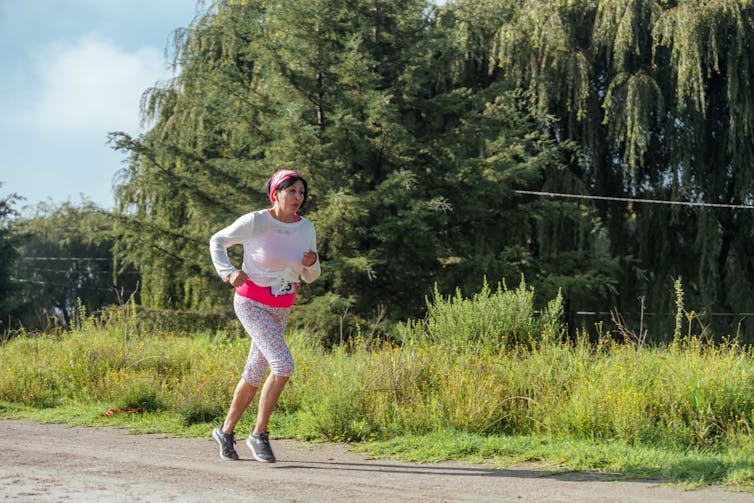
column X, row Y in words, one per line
column 70, row 72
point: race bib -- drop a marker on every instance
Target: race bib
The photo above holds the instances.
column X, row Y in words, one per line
column 284, row 289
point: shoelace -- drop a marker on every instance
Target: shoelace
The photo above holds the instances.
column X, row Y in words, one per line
column 264, row 439
column 229, row 438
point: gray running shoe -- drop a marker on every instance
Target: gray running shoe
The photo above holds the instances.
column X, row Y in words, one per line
column 260, row 447
column 226, row 441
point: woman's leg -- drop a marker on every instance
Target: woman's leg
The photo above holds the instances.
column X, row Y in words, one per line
column 271, row 390
column 242, row 397
column 266, row 326
column 281, row 361
column 254, row 370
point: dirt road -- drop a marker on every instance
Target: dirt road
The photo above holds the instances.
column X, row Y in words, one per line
column 42, row 462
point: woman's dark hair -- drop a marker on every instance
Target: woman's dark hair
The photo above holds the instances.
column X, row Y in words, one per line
column 287, row 183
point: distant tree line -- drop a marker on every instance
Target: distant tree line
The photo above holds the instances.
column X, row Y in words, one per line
column 418, row 124
column 58, row 263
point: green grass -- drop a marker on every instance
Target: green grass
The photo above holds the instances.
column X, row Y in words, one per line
column 519, row 393
column 563, row 454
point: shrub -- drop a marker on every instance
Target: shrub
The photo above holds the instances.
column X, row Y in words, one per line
column 492, row 320
column 34, row 386
column 137, row 390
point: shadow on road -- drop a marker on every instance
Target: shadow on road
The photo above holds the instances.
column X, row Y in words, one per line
column 405, row 469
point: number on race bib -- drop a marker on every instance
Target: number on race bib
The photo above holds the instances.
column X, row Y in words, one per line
column 284, row 289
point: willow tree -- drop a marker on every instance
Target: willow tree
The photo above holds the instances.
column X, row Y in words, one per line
column 310, row 85
column 658, row 94
column 201, row 162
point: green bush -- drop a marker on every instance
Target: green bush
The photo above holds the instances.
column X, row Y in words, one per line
column 206, row 404
column 138, row 390
column 491, row 320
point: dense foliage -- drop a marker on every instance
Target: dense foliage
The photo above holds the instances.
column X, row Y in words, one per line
column 412, row 144
column 418, row 124
column 657, row 93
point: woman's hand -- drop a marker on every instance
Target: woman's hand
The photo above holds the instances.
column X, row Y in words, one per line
column 237, row 278
column 310, row 258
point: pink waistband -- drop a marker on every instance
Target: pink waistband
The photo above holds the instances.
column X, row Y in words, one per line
column 263, row 294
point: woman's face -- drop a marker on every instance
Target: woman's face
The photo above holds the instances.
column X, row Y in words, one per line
column 290, row 198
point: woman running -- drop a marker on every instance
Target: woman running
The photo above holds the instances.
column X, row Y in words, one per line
column 279, row 250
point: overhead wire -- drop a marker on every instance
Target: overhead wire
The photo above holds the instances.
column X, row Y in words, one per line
column 109, row 259
column 640, row 200
column 635, row 200
column 63, row 285
column 604, row 313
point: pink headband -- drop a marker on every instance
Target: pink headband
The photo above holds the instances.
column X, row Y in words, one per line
column 279, row 177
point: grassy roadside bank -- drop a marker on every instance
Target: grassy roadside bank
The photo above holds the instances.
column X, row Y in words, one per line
column 481, row 379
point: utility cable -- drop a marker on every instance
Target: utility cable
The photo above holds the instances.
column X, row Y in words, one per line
column 68, row 258
column 635, row 200
column 702, row 314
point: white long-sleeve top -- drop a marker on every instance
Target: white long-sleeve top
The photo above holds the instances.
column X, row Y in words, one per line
column 272, row 250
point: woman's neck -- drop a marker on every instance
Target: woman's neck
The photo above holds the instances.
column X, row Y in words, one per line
column 284, row 217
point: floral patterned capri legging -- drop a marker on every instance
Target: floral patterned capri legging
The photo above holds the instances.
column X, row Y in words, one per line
column 265, row 325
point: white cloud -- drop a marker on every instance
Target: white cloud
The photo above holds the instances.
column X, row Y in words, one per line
column 92, row 86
